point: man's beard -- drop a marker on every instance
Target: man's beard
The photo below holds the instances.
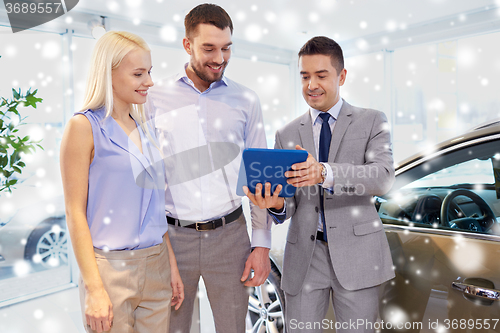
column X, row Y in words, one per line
column 205, row 77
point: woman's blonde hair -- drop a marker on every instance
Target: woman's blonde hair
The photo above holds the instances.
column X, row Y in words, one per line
column 108, row 53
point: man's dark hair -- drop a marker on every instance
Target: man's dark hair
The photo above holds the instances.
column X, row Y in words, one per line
column 325, row 46
column 207, row 13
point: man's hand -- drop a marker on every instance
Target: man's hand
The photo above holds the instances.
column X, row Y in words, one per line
column 268, row 201
column 307, row 173
column 261, row 265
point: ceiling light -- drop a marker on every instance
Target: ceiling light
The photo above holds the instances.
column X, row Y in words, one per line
column 97, row 27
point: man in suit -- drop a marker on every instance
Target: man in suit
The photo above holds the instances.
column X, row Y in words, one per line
column 336, row 242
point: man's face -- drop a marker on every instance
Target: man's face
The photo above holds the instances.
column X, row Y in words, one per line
column 320, row 81
column 210, row 50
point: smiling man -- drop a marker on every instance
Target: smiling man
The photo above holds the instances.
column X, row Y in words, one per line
column 336, row 243
column 203, row 121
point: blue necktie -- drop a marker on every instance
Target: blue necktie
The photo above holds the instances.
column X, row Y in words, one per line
column 325, row 137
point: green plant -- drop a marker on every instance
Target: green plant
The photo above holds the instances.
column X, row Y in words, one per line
column 12, row 146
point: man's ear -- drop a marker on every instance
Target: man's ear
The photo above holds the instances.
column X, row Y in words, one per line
column 342, row 76
column 187, row 45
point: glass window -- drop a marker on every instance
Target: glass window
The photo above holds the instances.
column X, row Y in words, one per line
column 478, row 79
column 364, row 86
column 33, row 240
column 442, row 90
column 272, row 83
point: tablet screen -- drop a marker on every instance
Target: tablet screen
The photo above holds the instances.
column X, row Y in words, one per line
column 268, row 165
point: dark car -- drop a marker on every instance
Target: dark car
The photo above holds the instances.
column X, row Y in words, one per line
column 441, row 219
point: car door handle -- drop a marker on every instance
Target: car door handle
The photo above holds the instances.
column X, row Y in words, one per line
column 469, row 289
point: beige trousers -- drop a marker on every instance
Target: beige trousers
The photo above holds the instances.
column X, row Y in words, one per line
column 138, row 284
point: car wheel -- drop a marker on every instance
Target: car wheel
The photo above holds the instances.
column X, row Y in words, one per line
column 266, row 306
column 47, row 245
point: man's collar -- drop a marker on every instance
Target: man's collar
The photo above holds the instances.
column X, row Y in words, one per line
column 334, row 111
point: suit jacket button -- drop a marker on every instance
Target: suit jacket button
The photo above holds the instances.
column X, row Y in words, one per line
column 313, row 237
column 316, row 209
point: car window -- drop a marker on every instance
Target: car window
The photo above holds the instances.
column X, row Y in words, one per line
column 459, row 191
column 475, row 171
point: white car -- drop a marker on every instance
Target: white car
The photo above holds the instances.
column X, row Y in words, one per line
column 35, row 236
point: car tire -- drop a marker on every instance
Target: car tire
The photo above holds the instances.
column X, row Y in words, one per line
column 47, row 245
column 266, row 306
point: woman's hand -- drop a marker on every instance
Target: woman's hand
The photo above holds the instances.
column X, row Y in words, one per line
column 177, row 287
column 98, row 310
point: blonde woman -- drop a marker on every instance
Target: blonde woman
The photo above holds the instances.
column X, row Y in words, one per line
column 113, row 179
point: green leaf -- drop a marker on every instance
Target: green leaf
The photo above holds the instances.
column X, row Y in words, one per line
column 13, row 108
column 11, row 182
column 26, row 149
column 16, row 94
column 31, row 100
column 13, row 145
column 3, row 161
column 14, row 158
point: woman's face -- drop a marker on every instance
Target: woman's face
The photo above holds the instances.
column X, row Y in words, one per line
column 132, row 79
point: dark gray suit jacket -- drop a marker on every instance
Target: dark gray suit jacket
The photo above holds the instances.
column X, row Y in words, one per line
column 362, row 164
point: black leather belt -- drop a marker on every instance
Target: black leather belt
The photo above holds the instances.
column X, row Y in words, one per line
column 319, row 235
column 207, row 225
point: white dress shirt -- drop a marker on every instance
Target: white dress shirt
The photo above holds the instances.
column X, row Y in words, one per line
column 202, row 135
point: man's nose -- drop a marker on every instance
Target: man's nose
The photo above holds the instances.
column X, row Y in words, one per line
column 313, row 84
column 218, row 57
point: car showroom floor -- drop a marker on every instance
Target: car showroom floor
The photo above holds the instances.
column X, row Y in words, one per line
column 60, row 313
column 55, row 313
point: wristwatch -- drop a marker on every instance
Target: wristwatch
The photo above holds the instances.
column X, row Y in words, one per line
column 323, row 174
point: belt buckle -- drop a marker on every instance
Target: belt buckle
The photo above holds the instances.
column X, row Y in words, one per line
column 203, row 223
column 197, row 223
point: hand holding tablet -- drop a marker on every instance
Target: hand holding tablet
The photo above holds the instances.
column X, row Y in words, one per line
column 268, row 166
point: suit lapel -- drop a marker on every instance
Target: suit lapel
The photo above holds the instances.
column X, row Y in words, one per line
column 306, row 134
column 341, row 124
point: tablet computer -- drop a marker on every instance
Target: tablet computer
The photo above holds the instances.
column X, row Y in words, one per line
column 268, row 165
